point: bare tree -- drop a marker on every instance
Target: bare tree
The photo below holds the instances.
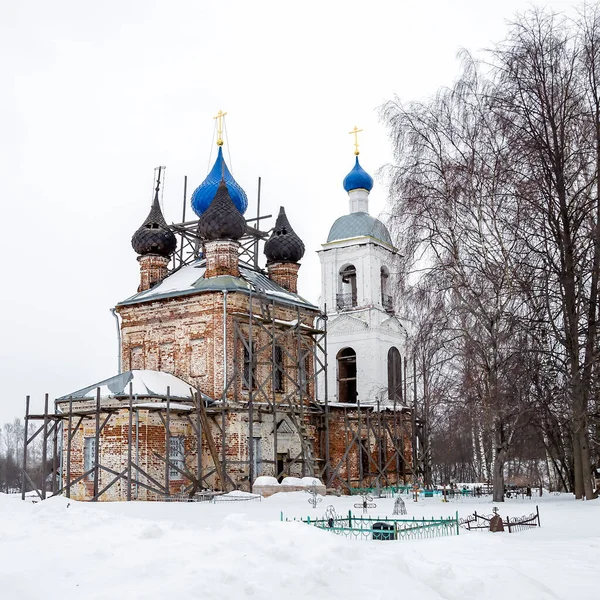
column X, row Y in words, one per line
column 456, row 211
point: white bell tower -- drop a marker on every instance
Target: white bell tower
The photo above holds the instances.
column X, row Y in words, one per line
column 365, row 340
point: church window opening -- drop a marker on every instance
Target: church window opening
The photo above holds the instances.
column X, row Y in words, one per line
column 304, row 370
column 394, row 362
column 364, row 458
column 347, row 297
column 256, row 456
column 89, row 453
column 249, row 366
column 175, row 457
column 346, row 362
column 382, row 459
column 278, row 373
column 386, row 298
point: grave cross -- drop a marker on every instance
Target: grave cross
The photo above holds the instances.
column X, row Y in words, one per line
column 366, row 503
column 315, row 498
column 415, row 489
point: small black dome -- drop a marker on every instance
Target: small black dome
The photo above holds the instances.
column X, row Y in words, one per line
column 222, row 220
column 283, row 245
column 154, row 236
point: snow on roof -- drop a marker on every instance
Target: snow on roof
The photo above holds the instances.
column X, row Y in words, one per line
column 384, row 405
column 172, row 405
column 144, row 383
column 190, row 280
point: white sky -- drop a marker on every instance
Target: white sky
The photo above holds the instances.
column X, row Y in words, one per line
column 94, row 95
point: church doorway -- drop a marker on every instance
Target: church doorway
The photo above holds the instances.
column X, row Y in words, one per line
column 346, row 363
column 281, row 462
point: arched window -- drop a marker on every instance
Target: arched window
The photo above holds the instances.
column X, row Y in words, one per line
column 346, row 297
column 386, row 298
column 346, row 363
column 394, row 362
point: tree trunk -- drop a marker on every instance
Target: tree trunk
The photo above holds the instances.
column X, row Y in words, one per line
column 500, row 453
column 499, row 475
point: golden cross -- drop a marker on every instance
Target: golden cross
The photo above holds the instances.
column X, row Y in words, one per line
column 219, row 118
column 355, row 133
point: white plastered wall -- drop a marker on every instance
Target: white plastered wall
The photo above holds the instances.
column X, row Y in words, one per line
column 367, row 328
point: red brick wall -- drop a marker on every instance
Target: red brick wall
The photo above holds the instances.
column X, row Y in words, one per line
column 184, row 336
column 342, row 435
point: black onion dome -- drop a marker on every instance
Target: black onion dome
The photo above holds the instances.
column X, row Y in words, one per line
column 154, row 236
column 222, row 220
column 283, row 245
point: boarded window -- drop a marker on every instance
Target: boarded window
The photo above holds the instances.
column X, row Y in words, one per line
column 176, row 457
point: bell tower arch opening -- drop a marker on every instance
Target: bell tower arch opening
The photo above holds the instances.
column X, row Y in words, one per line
column 347, row 296
column 386, row 297
column 346, row 367
column 394, row 367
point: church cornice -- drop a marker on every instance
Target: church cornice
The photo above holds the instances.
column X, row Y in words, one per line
column 357, row 241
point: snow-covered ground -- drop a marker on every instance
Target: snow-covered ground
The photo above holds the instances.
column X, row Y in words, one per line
column 65, row 549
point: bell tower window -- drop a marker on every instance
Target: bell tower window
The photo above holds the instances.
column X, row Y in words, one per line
column 347, row 297
column 346, row 363
column 394, row 364
column 386, row 297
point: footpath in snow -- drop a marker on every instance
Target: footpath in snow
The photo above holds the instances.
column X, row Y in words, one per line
column 65, row 549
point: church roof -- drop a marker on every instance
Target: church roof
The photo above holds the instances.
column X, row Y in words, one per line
column 222, row 220
column 190, row 280
column 359, row 224
column 154, row 235
column 145, row 383
column 284, row 245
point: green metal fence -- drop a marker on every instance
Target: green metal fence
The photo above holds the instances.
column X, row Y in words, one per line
column 385, row 491
column 365, row 527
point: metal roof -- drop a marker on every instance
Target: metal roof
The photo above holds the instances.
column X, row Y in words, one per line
column 359, row 224
column 190, row 280
column 144, row 383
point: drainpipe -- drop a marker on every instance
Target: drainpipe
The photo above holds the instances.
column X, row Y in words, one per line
column 224, row 340
column 116, row 316
column 137, row 449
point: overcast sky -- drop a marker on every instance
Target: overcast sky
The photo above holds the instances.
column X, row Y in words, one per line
column 94, row 95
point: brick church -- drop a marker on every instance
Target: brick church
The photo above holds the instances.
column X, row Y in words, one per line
column 228, row 373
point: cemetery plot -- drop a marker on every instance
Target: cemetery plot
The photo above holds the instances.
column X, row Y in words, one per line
column 382, row 528
column 495, row 523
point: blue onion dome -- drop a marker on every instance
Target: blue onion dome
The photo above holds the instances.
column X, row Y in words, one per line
column 358, row 179
column 154, row 236
column 283, row 245
column 222, row 220
column 203, row 195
